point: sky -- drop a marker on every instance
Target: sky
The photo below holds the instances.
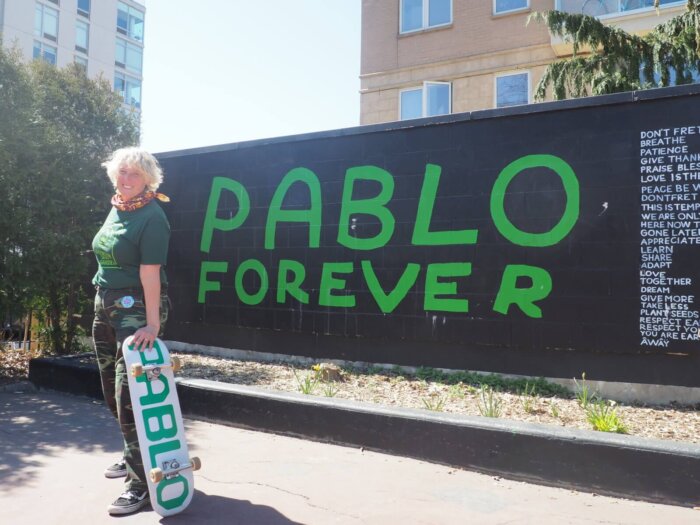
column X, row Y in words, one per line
column 222, row 71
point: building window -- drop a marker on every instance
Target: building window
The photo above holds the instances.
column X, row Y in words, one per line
column 507, row 6
column 84, row 8
column 608, row 7
column 130, row 21
column 45, row 22
column 432, row 99
column 82, row 31
column 44, row 52
column 512, row 89
column 424, row 14
column 54, row 2
column 128, row 56
column 81, row 61
column 129, row 88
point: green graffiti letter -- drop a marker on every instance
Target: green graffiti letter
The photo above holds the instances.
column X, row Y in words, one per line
column 152, row 398
column 433, row 287
column 173, row 502
column 161, row 448
column 312, row 216
column 422, row 236
column 157, row 360
column 243, row 295
column 205, row 285
column 388, row 302
column 375, row 206
column 568, row 219
column 293, row 287
column 525, row 298
column 329, row 283
column 212, row 222
column 158, row 415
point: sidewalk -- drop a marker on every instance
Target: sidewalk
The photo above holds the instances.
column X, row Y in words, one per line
column 54, row 447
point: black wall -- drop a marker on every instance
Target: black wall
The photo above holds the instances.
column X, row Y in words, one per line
column 593, row 319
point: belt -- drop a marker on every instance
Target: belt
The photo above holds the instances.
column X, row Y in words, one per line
column 139, row 289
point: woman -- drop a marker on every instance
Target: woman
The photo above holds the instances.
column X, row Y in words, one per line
column 131, row 250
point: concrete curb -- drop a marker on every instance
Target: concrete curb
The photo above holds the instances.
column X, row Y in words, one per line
column 615, row 465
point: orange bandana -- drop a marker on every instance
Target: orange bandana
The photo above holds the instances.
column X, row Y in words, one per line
column 137, row 202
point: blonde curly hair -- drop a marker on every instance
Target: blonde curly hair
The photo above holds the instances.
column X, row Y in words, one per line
column 137, row 158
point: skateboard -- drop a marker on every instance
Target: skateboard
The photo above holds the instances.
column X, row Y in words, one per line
column 159, row 427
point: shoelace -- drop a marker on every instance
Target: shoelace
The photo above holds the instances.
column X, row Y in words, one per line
column 129, row 495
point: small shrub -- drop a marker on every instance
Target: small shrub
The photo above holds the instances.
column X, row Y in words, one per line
column 583, row 393
column 528, row 398
column 330, row 390
column 554, row 409
column 307, row 384
column 457, row 391
column 604, row 418
column 490, row 405
column 436, row 405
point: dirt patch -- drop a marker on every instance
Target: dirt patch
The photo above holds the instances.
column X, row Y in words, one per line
column 393, row 388
column 398, row 389
column 14, row 365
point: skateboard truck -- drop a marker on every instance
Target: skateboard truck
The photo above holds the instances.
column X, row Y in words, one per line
column 171, row 468
column 153, row 371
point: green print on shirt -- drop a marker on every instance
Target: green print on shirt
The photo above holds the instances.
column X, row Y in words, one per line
column 104, row 245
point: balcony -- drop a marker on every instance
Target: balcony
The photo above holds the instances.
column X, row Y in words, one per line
column 634, row 16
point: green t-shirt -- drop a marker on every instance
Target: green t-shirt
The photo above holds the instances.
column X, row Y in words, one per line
column 127, row 240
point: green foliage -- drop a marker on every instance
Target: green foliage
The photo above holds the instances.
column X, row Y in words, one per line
column 554, row 410
column 56, row 127
column 437, row 405
column 603, row 416
column 308, row 383
column 528, row 399
column 490, row 405
column 584, row 395
column 617, row 61
column 538, row 386
column 330, row 390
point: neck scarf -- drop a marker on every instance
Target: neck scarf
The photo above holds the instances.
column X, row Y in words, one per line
column 137, row 202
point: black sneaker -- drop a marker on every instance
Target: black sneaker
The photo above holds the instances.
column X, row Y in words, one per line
column 118, row 470
column 130, row 501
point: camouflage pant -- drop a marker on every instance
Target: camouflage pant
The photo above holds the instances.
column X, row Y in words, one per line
column 113, row 323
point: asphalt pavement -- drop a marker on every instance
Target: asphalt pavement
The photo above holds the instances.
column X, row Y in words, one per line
column 54, row 448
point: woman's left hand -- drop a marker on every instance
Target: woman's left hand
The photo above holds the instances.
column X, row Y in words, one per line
column 145, row 337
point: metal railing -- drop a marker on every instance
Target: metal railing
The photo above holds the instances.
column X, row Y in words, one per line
column 609, row 7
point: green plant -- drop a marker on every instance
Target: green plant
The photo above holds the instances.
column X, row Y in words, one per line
column 456, row 391
column 307, row 384
column 375, row 369
column 554, row 409
column 330, row 390
column 490, row 404
column 528, row 398
column 434, row 404
column 539, row 385
column 583, row 393
column 603, row 416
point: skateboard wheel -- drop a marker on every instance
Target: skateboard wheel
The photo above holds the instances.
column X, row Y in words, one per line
column 196, row 463
column 136, row 370
column 156, row 475
column 176, row 363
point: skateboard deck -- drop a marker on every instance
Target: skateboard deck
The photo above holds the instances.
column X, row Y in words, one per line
column 159, row 427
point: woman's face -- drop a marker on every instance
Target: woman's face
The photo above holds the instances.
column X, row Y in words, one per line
column 130, row 182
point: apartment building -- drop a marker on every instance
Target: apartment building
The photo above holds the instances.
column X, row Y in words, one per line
column 432, row 57
column 104, row 36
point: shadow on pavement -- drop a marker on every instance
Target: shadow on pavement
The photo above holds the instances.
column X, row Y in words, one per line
column 32, row 428
column 218, row 509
